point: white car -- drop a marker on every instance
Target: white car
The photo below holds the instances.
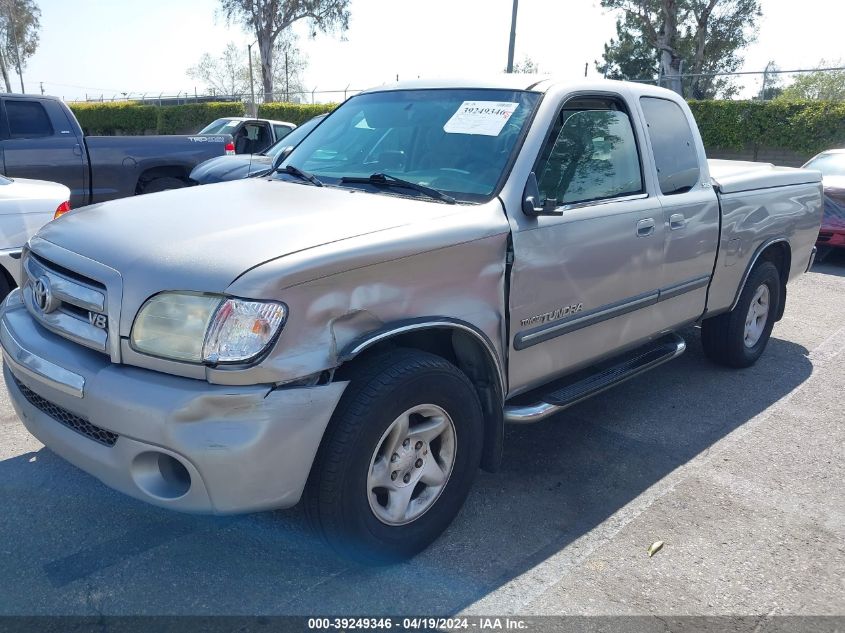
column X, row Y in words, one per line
column 251, row 136
column 25, row 206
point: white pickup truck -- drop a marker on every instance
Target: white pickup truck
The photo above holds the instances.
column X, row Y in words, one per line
column 436, row 259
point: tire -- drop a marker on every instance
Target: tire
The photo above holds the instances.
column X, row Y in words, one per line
column 345, row 500
column 731, row 339
column 163, row 184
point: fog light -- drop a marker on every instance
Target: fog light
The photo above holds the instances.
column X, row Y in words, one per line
column 160, row 475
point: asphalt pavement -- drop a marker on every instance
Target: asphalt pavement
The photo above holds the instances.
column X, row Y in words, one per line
column 739, row 473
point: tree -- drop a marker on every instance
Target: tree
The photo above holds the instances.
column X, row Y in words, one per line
column 228, row 74
column 628, row 57
column 771, row 85
column 821, row 85
column 224, row 75
column 268, row 19
column 669, row 38
column 20, row 21
column 527, row 66
column 289, row 66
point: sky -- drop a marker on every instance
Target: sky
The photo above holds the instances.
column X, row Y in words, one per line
column 110, row 47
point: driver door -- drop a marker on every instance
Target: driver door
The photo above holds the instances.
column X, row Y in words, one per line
column 584, row 282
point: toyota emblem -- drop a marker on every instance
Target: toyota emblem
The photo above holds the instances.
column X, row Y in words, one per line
column 43, row 295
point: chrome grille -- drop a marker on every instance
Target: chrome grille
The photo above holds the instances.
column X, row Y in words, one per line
column 66, row 303
column 66, row 418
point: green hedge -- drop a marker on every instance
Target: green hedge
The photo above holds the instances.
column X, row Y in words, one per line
column 805, row 127
column 135, row 118
column 293, row 112
column 192, row 117
column 113, row 118
column 131, row 117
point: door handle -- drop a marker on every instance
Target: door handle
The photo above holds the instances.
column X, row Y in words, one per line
column 77, row 150
column 645, row 227
column 677, row 221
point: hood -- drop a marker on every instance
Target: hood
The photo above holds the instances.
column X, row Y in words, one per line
column 225, row 168
column 203, row 238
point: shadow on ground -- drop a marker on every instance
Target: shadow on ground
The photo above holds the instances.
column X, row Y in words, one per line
column 70, row 545
column 830, row 261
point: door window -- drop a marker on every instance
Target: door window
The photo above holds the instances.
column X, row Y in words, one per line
column 671, row 141
column 27, row 119
column 258, row 135
column 281, row 131
column 593, row 157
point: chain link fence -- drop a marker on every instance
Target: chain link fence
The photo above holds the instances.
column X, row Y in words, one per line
column 763, row 85
column 316, row 95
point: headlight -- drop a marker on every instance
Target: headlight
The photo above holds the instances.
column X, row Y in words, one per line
column 195, row 327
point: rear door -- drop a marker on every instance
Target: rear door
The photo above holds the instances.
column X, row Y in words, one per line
column 690, row 211
column 39, row 142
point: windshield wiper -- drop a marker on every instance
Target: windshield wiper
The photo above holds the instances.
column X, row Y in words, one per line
column 386, row 180
column 302, row 175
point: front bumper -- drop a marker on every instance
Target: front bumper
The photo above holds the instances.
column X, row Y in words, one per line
column 175, row 442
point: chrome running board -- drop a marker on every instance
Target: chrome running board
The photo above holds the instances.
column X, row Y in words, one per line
column 585, row 384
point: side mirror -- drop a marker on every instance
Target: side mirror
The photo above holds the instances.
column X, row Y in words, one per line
column 281, row 156
column 531, row 200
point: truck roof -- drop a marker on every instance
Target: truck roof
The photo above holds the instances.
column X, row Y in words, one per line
column 518, row 81
column 250, row 118
column 7, row 95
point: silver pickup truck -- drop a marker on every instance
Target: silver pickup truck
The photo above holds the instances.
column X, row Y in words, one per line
column 435, row 260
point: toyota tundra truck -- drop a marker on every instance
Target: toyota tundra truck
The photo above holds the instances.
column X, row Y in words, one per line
column 435, row 260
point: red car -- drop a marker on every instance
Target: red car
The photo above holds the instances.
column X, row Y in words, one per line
column 832, row 165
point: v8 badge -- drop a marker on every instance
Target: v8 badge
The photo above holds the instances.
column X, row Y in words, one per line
column 98, row 320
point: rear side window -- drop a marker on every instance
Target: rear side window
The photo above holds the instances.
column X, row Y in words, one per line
column 671, row 140
column 27, row 119
column 281, row 131
column 593, row 156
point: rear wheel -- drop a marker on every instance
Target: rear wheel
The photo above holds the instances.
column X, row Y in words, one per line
column 398, row 459
column 739, row 337
column 162, row 184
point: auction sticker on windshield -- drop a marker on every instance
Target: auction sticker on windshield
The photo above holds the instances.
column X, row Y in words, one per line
column 480, row 117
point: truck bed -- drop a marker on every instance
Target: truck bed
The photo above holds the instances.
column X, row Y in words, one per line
column 732, row 176
column 761, row 204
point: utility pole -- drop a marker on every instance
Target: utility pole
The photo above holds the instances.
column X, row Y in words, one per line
column 287, row 79
column 42, row 87
column 513, row 36
column 253, row 108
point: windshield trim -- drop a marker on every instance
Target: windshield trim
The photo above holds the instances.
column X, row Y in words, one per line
column 460, row 197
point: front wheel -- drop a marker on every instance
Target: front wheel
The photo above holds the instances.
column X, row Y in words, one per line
column 739, row 337
column 398, row 459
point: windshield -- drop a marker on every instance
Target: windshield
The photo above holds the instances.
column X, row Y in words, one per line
column 457, row 141
column 295, row 137
column 220, row 126
column 829, row 164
